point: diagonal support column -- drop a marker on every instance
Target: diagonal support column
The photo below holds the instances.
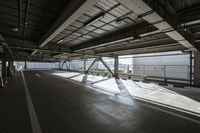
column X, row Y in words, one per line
column 3, row 68
column 107, row 66
column 63, row 64
column 67, row 66
column 96, row 59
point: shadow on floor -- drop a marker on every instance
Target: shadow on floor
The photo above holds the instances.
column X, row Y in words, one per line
column 100, row 81
column 74, row 76
column 122, row 88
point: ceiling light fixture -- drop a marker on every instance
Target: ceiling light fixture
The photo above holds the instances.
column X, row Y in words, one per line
column 15, row 29
column 60, row 41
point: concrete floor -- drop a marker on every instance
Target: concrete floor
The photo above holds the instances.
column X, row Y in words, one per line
column 64, row 106
column 147, row 91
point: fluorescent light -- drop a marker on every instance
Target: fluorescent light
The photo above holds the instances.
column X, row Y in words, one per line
column 60, row 41
column 15, row 29
column 191, row 22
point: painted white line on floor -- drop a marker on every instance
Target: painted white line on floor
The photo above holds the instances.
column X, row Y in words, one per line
column 33, row 117
column 38, row 75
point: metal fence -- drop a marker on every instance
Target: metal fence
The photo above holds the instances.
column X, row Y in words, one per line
column 164, row 67
column 173, row 72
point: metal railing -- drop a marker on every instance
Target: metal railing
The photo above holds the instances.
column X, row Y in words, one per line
column 164, row 72
column 174, row 73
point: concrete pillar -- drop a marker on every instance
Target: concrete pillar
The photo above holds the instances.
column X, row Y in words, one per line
column 133, row 64
column 1, row 76
column 12, row 67
column 59, row 65
column 84, row 65
column 191, row 67
column 197, row 68
column 69, row 65
column 116, row 67
column 3, row 63
column 25, row 65
column 9, row 67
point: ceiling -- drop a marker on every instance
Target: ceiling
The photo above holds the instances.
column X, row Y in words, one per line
column 66, row 29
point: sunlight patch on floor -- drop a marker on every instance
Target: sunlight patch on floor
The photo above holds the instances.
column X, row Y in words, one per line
column 78, row 78
column 148, row 91
column 66, row 74
column 156, row 93
column 108, row 85
column 93, row 78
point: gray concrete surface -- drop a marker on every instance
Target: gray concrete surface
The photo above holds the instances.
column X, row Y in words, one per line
column 197, row 69
column 14, row 116
column 66, row 107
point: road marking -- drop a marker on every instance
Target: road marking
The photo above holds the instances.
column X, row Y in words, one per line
column 32, row 114
column 38, row 75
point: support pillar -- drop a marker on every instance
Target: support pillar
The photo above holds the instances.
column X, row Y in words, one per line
column 116, row 67
column 59, row 65
column 191, row 67
column 25, row 65
column 12, row 67
column 196, row 73
column 133, row 65
column 69, row 65
column 3, row 63
column 84, row 65
column 1, row 76
column 9, row 71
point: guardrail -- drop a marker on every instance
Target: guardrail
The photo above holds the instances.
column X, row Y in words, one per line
column 162, row 72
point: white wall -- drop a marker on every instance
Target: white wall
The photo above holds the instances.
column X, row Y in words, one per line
column 175, row 66
column 42, row 65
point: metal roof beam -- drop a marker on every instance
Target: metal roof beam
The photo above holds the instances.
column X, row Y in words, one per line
column 72, row 12
column 148, row 49
column 29, row 45
column 122, row 35
column 151, row 12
